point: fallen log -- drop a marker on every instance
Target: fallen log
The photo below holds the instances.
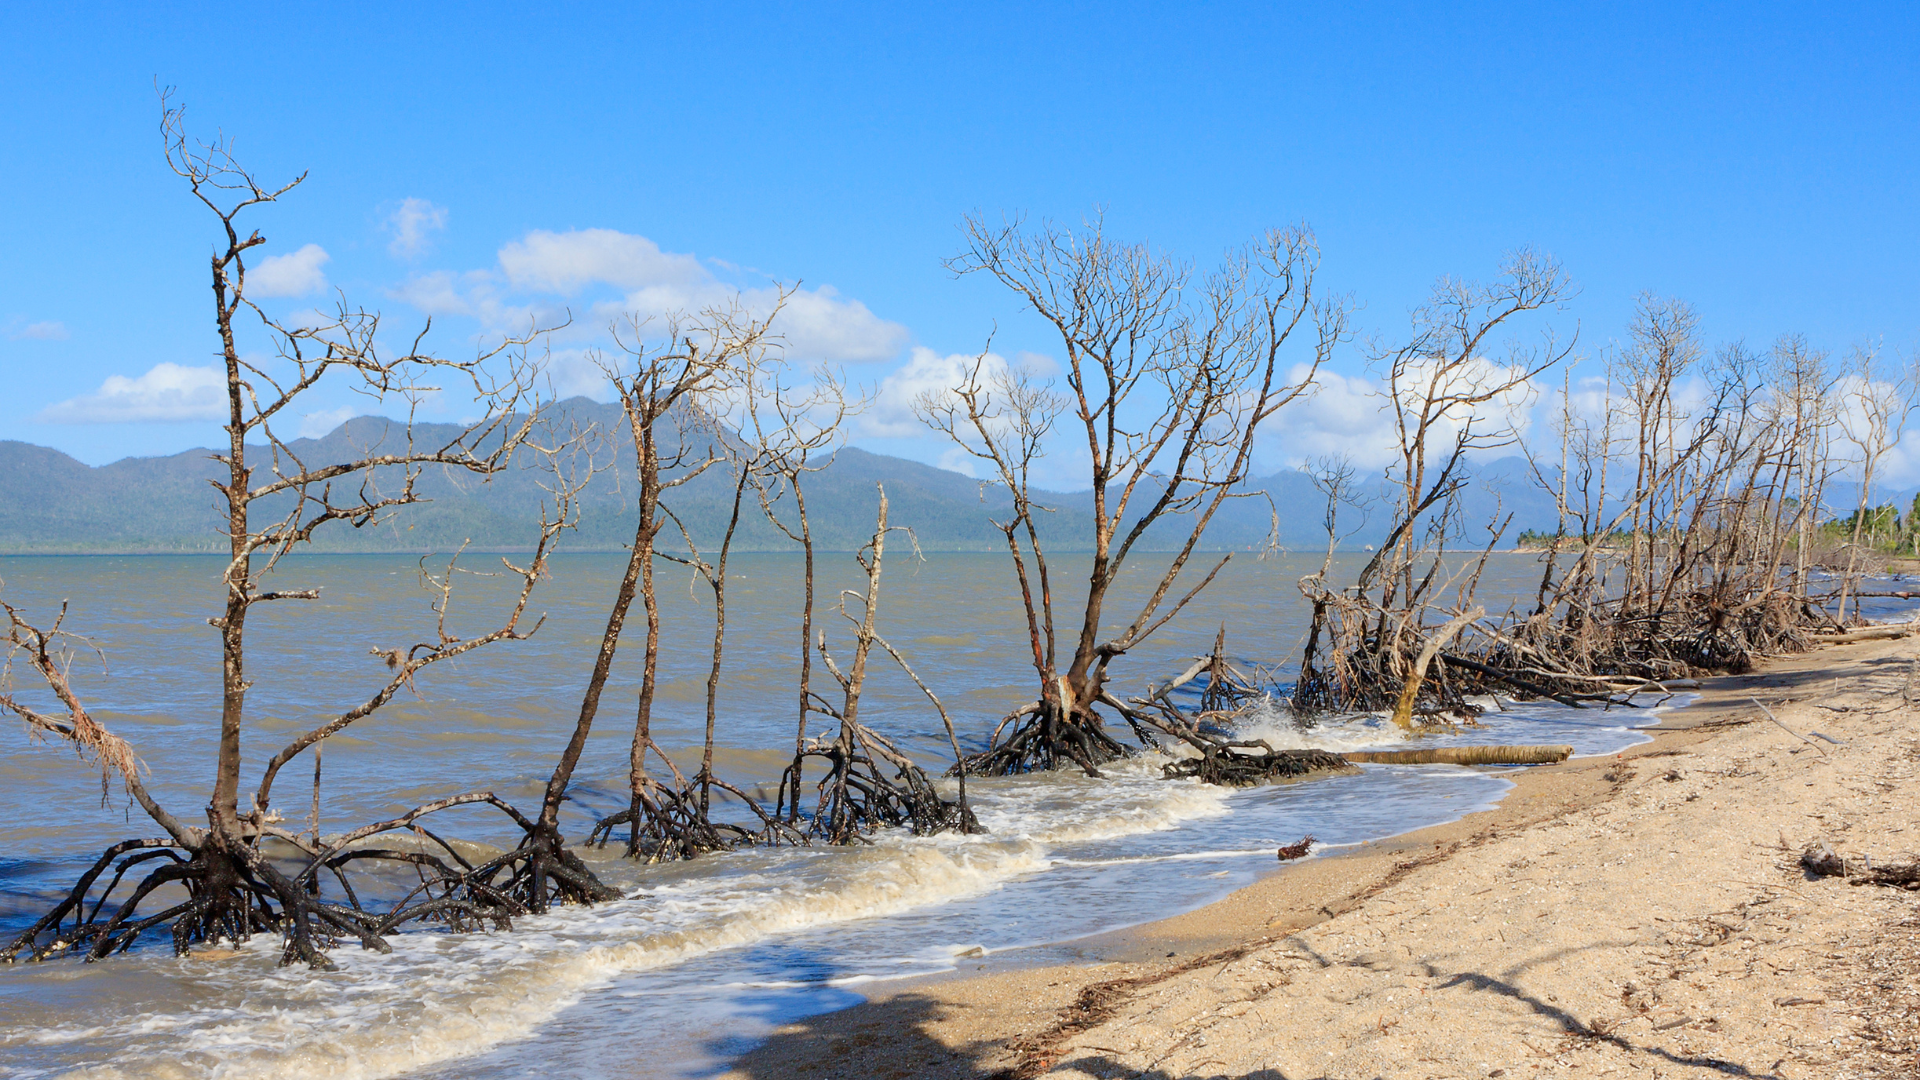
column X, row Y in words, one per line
column 1238, row 765
column 1872, row 633
column 1464, row 755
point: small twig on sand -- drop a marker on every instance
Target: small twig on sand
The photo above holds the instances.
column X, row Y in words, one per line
column 1788, row 730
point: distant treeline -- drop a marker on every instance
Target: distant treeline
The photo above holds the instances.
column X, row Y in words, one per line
column 1883, row 530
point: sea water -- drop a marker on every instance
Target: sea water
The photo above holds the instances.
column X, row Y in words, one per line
column 701, row 956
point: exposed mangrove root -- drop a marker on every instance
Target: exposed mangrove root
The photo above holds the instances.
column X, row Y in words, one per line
column 544, row 874
column 1044, row 736
column 1229, row 692
column 666, row 823
column 1219, row 758
column 870, row 783
column 276, row 882
column 1228, row 689
column 1465, row 755
column 857, row 795
column 1579, row 656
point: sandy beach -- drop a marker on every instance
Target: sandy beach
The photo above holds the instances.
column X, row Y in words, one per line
column 1644, row 915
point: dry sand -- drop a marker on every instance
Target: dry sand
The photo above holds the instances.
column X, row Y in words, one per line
column 1638, row 916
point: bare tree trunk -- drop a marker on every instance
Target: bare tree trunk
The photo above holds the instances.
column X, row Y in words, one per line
column 702, row 359
column 858, row 795
column 233, row 889
column 717, row 581
column 806, row 655
column 1195, row 368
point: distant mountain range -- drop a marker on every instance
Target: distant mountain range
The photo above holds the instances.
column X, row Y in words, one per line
column 51, row 503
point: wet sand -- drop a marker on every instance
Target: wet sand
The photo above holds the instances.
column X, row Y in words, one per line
column 1642, row 915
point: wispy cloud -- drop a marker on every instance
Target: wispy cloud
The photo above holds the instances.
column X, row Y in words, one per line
column 296, row 273
column 314, row 425
column 37, row 331
column 440, row 293
column 412, row 225
column 167, row 393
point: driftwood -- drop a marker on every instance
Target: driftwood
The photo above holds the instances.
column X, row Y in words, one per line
column 1820, row 860
column 1871, row 633
column 1790, row 731
column 1236, row 764
column 1464, row 755
column 1289, row 852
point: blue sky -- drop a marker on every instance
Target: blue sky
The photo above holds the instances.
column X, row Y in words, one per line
column 1757, row 160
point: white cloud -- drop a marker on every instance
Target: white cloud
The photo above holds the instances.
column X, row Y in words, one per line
column 818, row 323
column 814, row 324
column 1039, row 365
column 565, row 262
column 314, row 425
column 1350, row 415
column 1861, row 407
column 166, row 393
column 40, row 331
column 892, row 414
column 576, row 372
column 296, row 273
column 1341, row 415
column 411, row 224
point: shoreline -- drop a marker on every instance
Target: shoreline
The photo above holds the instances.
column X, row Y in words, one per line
column 1164, row 986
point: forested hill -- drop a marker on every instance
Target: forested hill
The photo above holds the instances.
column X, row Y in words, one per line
column 51, row 503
